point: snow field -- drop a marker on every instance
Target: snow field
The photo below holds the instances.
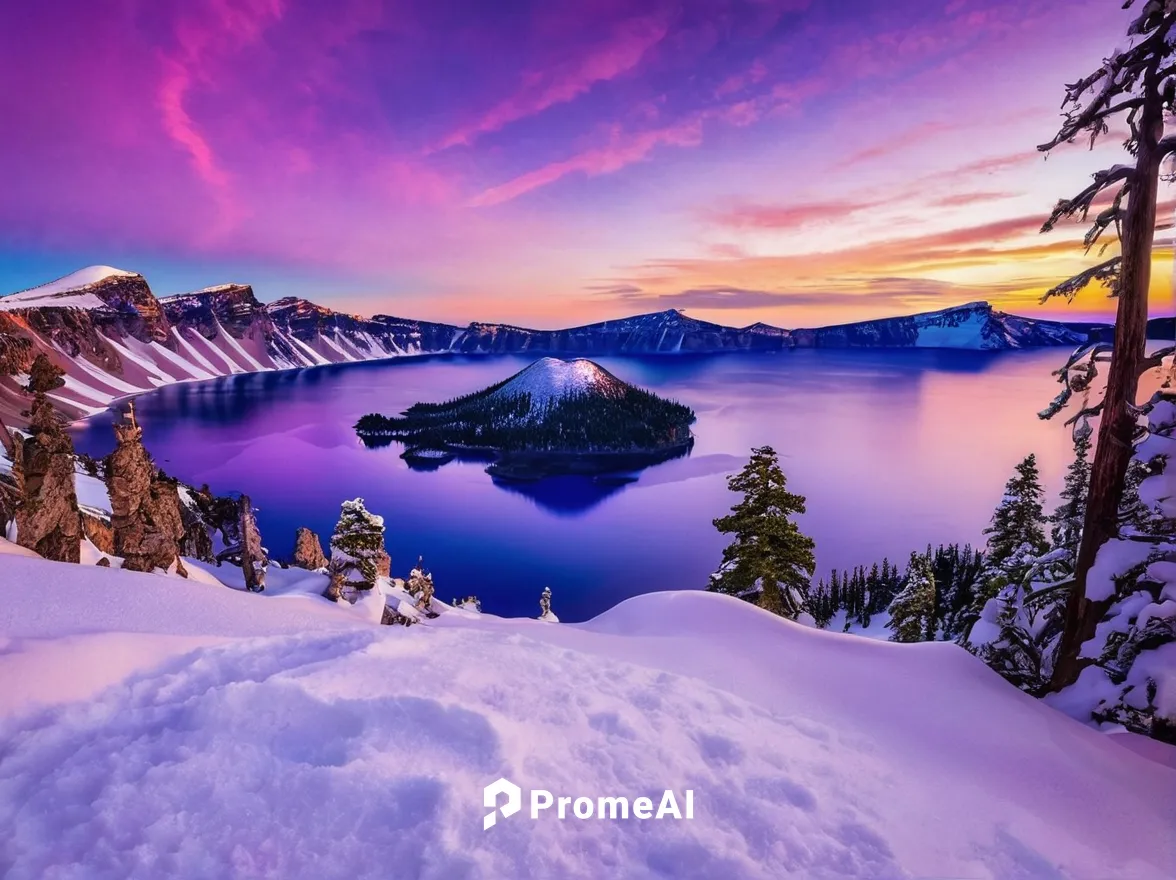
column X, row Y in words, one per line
column 334, row 748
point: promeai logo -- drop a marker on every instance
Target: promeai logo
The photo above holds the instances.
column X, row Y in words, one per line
column 514, row 801
column 604, row 807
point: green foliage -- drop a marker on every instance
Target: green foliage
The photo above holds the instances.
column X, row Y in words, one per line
column 770, row 561
column 1071, row 511
column 357, row 545
column 630, row 420
column 1018, row 520
column 863, row 593
column 912, row 612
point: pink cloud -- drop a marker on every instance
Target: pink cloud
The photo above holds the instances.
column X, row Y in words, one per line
column 910, row 138
column 622, row 149
column 202, row 44
column 564, row 82
column 793, row 216
column 740, row 81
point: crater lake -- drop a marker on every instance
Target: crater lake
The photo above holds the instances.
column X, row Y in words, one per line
column 892, row 449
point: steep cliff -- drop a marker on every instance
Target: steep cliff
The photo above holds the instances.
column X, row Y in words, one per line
column 113, row 338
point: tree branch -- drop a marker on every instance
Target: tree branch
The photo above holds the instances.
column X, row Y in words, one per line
column 1080, row 204
column 1105, row 273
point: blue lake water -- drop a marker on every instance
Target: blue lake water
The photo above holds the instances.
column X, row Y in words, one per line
column 893, row 449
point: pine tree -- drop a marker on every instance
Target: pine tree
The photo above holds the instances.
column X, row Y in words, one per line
column 1071, row 511
column 770, row 561
column 912, row 613
column 357, row 550
column 1017, row 533
column 1136, row 579
column 1018, row 518
column 1132, row 90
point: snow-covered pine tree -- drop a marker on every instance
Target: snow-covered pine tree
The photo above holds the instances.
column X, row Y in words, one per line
column 1017, row 533
column 1128, row 673
column 357, row 548
column 1066, row 529
column 957, row 598
column 912, row 612
column 770, row 561
column 1132, row 90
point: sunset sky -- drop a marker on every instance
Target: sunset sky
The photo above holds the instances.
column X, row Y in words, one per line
column 552, row 163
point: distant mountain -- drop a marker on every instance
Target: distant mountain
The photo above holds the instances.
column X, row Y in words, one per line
column 1157, row 328
column 114, row 337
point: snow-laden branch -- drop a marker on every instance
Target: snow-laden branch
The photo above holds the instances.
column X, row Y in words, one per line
column 1105, row 273
column 1079, row 205
column 1081, row 369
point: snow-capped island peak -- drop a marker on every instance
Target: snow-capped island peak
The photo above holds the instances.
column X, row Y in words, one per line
column 551, row 378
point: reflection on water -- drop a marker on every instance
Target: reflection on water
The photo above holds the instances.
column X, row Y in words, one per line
column 893, row 450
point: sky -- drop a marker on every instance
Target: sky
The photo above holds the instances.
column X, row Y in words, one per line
column 790, row 161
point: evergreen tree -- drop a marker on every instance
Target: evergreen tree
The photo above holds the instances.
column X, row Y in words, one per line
column 912, row 613
column 770, row 561
column 819, row 606
column 1136, row 579
column 1130, row 91
column 1018, row 518
column 1017, row 533
column 357, row 550
column 1071, row 511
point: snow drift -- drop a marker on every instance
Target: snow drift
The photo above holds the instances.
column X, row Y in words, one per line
column 283, row 736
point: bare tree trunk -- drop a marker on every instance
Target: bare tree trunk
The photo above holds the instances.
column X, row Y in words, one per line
column 1117, row 428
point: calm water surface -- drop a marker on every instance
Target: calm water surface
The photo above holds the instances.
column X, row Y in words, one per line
column 894, row 449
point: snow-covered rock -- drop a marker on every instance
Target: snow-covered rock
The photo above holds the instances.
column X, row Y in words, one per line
column 66, row 292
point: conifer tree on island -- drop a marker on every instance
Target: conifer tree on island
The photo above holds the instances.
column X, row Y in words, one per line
column 912, row 611
column 1136, row 89
column 770, row 561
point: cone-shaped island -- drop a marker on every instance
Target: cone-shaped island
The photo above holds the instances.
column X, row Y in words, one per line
column 554, row 417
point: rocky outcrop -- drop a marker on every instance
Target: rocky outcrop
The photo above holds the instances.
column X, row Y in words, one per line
column 254, row 561
column 99, row 531
column 196, row 542
column 9, row 497
column 308, row 550
column 47, row 517
column 145, row 508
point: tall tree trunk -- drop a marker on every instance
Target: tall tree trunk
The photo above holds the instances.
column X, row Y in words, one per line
column 1116, row 431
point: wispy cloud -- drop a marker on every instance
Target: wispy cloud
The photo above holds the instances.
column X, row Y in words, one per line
column 622, row 149
column 567, row 80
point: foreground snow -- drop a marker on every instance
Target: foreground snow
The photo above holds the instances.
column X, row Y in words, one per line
column 280, row 735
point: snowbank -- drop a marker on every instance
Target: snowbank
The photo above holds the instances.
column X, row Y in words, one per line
column 333, row 748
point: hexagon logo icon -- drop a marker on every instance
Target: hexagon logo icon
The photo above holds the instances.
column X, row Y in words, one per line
column 514, row 801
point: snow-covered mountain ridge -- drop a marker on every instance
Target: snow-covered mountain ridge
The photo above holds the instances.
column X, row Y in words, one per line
column 113, row 337
column 185, row 728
